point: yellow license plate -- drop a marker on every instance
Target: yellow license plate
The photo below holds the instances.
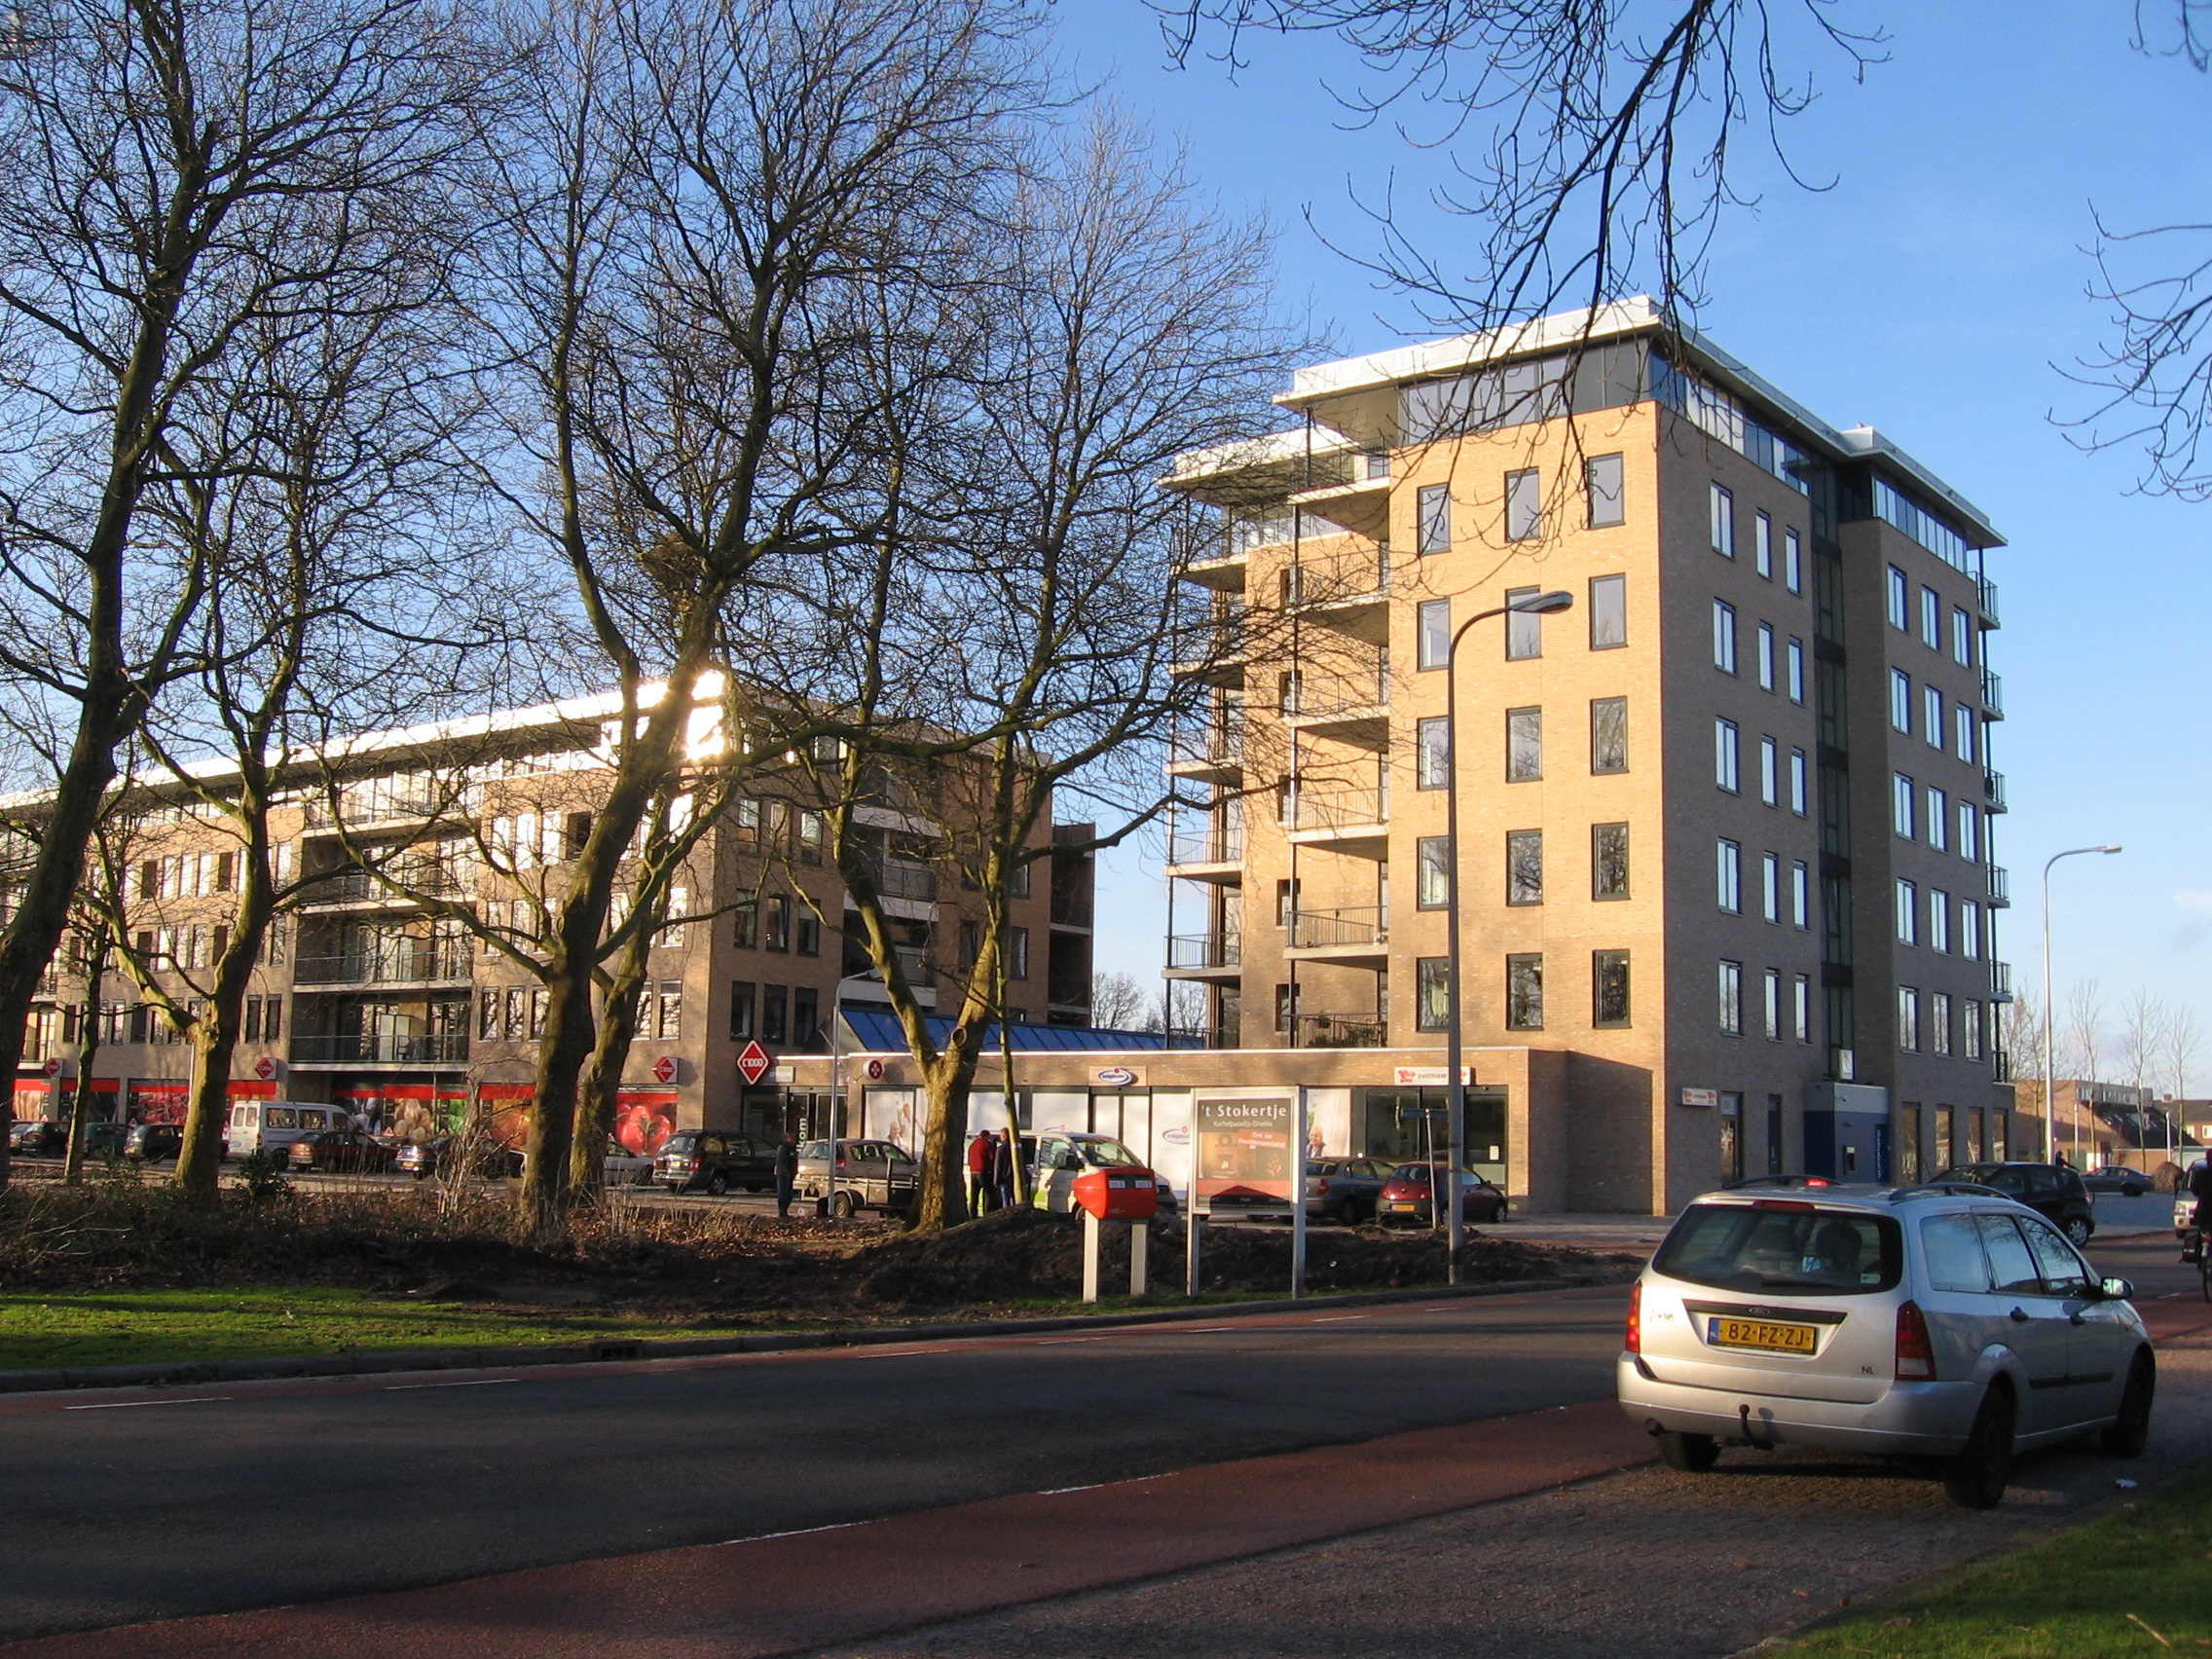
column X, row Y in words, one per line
column 1764, row 1334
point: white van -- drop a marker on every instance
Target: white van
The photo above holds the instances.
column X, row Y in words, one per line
column 273, row 1125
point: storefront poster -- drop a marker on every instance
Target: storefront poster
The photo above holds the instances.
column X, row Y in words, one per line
column 643, row 1118
column 158, row 1102
column 1244, row 1149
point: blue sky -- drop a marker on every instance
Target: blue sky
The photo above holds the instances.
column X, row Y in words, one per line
column 1929, row 293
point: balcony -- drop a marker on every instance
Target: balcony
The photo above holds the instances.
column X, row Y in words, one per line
column 901, row 878
column 359, row 887
column 2001, row 981
column 1207, row 853
column 1993, row 792
column 1338, row 1031
column 358, row 809
column 1992, row 696
column 1205, row 956
column 1344, row 821
column 2000, row 1065
column 1363, row 722
column 1222, row 662
column 1354, row 935
column 2000, row 888
column 1210, row 755
column 1073, row 909
column 1990, row 617
column 402, row 962
column 382, row 1048
column 1223, row 571
column 1065, row 991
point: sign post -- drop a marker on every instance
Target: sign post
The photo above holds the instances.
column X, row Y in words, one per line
column 1298, row 1198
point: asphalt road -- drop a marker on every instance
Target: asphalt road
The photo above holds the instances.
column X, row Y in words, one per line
column 284, row 1492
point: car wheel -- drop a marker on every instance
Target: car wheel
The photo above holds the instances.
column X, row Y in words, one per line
column 1692, row 1454
column 2131, row 1191
column 2129, row 1432
column 717, row 1184
column 842, row 1206
column 2079, row 1228
column 422, row 1174
column 1976, row 1478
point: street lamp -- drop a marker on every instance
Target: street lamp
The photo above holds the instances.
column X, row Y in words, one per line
column 2050, row 1055
column 1534, row 605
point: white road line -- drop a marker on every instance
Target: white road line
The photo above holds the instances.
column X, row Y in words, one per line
column 472, row 1383
column 1339, row 1318
column 1062, row 1342
column 1057, row 1492
column 798, row 1533
column 127, row 1405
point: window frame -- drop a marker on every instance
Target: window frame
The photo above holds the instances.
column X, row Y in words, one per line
column 1609, row 602
column 1720, row 517
column 1524, row 975
column 1533, row 715
column 1607, row 967
column 1517, row 843
column 1427, row 636
column 1609, row 703
column 1723, row 636
column 1433, row 520
column 1525, row 504
column 1594, row 494
column 1599, row 860
column 1728, row 983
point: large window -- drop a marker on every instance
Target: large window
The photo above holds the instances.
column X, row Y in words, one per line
column 1931, row 619
column 1766, row 656
column 1796, row 679
column 1901, row 600
column 1800, row 894
column 1792, row 560
column 1931, row 715
column 1770, row 771
column 1962, row 638
column 1432, row 753
column 1969, row 929
column 1609, row 734
column 1432, row 873
column 1432, row 993
column 1901, row 700
column 1772, row 986
column 1433, row 630
column 1939, row 820
column 1524, row 745
column 1723, row 636
column 1607, row 503
column 1762, row 545
column 1608, row 613
column 1523, row 867
column 1727, row 759
column 1609, row 861
column 1523, row 506
column 1797, row 776
column 1962, row 721
column 1970, row 832
column 1908, row 1018
column 1523, row 629
column 1721, row 509
column 1525, row 993
column 1608, row 988
column 1731, row 986
column 1939, row 919
column 741, row 1007
column 1801, row 1000
column 1770, row 886
column 1970, row 1029
column 1901, row 803
column 1434, row 507
column 1728, row 868
column 1909, row 911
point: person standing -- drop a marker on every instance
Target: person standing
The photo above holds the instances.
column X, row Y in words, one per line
column 787, row 1173
column 1002, row 1168
column 2199, row 1189
column 979, row 1189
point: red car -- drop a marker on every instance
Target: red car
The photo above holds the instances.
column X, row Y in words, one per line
column 346, row 1150
column 1406, row 1197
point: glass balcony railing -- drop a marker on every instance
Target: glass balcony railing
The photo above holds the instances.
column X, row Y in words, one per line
column 1350, row 927
column 1992, row 791
column 1210, row 845
column 1999, row 887
column 1205, row 950
column 358, row 886
column 1992, row 694
column 2001, row 981
column 404, row 964
column 1990, row 614
column 1339, row 1031
column 382, row 1048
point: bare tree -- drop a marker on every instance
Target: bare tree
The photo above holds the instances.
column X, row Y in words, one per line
column 1121, row 1002
column 2080, row 1037
column 2185, row 1040
column 175, row 177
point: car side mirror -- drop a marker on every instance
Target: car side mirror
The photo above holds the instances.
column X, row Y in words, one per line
column 2115, row 1290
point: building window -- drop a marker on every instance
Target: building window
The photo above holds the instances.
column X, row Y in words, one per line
column 1728, row 865
column 1017, row 953
column 1762, row 545
column 1939, row 820
column 1721, row 509
column 774, row 1005
column 1797, row 779
column 1770, row 771
column 1908, row 1018
column 1523, row 867
column 1726, row 770
column 1432, row 753
column 1796, row 661
column 741, row 1007
column 1969, row 1028
column 1909, row 911
column 1902, row 796
column 1961, row 637
column 1900, row 601
column 744, row 923
column 1608, row 613
column 778, row 932
column 1969, row 929
column 1731, row 999
column 1970, row 832
column 1792, row 562
column 1961, row 719
column 1609, row 734
column 1434, row 506
column 806, row 1017
column 1432, row 993
column 1523, row 629
column 1609, row 990
column 1766, row 656
column 1939, row 1022
column 1525, row 993
column 1432, row 873
column 1607, row 504
column 1939, row 919
column 1723, row 636
column 1523, row 506
column 1433, row 648
column 810, row 932
column 1931, row 715
column 1769, row 887
column 812, row 834
column 1801, row 1011
column 1931, row 619
column 1901, row 700
column 1609, row 861
column 1286, row 903
column 1524, row 745
column 1800, row 894
column 1772, row 986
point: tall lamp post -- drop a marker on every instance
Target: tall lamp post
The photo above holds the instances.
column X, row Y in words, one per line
column 2049, row 1053
column 1536, row 604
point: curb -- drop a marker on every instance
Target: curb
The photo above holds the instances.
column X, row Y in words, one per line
column 196, row 1372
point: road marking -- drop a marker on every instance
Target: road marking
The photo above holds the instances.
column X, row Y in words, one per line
column 797, row 1533
column 1190, row 1330
column 472, row 1383
column 899, row 1354
column 127, row 1405
column 1061, row 1342
column 1059, row 1491
column 1339, row 1318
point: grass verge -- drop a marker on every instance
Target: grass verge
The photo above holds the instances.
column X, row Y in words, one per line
column 2138, row 1581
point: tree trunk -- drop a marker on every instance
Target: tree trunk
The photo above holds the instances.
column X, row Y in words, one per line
column 603, row 1077
column 88, row 1052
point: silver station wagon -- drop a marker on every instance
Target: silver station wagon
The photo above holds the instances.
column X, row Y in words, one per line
column 1941, row 1322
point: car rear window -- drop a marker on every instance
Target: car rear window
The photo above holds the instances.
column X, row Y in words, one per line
column 1784, row 1245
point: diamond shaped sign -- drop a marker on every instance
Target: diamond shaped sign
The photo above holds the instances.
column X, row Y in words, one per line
column 754, row 1062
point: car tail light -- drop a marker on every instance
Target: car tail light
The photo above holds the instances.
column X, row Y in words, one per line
column 1916, row 1355
column 1636, row 1318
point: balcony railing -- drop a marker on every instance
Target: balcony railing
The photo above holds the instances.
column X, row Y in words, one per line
column 1339, row 1031
column 371, row 1048
column 1073, row 909
column 2001, row 981
column 402, row 964
column 1989, row 611
column 1202, row 1036
column 899, row 878
column 1336, row 809
column 375, row 807
column 1999, row 887
column 2000, row 1065
column 1992, row 791
column 1205, row 950
column 1211, row 844
column 356, row 886
column 1992, row 694
column 1358, row 925
column 1209, row 745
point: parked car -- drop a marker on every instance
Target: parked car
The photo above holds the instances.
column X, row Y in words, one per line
column 2184, row 1203
column 331, row 1151
column 1406, row 1197
column 1789, row 1182
column 1344, row 1189
column 2117, row 1178
column 2053, row 1191
column 37, row 1137
column 154, row 1142
column 273, row 1125
column 716, row 1162
column 1916, row 1322
column 871, row 1174
column 1055, row 1158
column 425, row 1158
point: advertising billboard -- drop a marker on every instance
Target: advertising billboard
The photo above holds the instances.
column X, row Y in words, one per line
column 1245, row 1152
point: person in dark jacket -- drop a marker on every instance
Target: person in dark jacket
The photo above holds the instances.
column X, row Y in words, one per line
column 1002, row 1168
column 2199, row 1189
column 787, row 1173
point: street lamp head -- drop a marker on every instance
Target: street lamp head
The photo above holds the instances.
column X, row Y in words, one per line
column 2108, row 849
column 1545, row 603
